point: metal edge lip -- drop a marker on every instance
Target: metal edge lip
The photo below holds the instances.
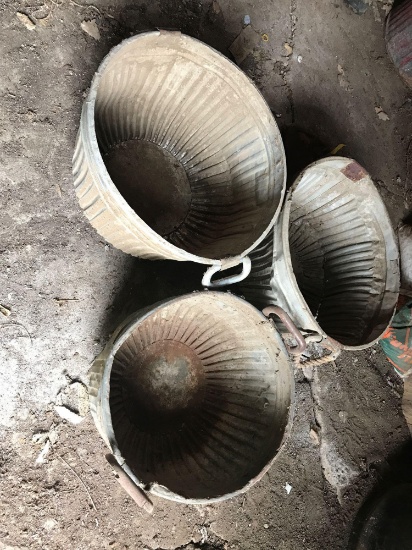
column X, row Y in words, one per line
column 117, row 340
column 285, row 216
column 92, row 151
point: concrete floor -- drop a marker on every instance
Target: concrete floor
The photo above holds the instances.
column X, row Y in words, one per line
column 67, row 289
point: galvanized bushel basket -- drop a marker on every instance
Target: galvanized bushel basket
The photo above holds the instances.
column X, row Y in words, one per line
column 178, row 155
column 194, row 398
column 332, row 260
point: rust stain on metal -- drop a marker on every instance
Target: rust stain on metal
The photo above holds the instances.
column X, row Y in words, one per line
column 354, row 171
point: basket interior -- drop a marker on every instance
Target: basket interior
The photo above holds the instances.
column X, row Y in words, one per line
column 340, row 243
column 200, row 393
column 189, row 143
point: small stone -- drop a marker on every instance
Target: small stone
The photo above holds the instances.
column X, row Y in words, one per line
column 53, row 436
column 266, row 526
column 68, row 415
column 43, row 453
column 381, row 113
column 39, row 437
column 343, row 415
column 25, row 19
column 314, row 437
column 91, row 28
column 288, row 48
column 49, row 524
column 288, row 488
column 5, row 310
column 300, row 59
column 215, row 6
column 75, row 398
column 246, row 20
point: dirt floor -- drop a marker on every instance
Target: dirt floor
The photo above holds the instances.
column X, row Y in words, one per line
column 67, row 289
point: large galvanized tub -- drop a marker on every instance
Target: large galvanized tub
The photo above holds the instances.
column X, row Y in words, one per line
column 178, row 155
column 194, row 397
column 332, row 260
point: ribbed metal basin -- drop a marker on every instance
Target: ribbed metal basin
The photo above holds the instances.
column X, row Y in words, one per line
column 399, row 39
column 332, row 261
column 178, row 156
column 195, row 395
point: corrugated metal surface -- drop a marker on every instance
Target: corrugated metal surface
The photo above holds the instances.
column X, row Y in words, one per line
column 399, row 39
column 335, row 265
column 174, row 92
column 200, row 396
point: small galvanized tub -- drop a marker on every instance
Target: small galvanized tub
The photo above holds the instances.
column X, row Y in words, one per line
column 178, row 155
column 332, row 260
column 194, row 397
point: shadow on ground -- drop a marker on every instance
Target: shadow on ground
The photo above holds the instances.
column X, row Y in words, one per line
column 393, row 473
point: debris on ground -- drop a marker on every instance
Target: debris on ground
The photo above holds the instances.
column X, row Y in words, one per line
column 246, row 20
column 91, row 28
column 5, row 310
column 215, row 11
column 288, row 488
column 337, row 149
column 63, row 301
column 43, row 453
column 216, row 7
column 381, row 113
column 313, row 434
column 358, row 6
column 343, row 81
column 386, row 7
column 67, row 414
column 45, row 439
column 25, row 19
column 244, row 44
column 288, row 48
column 74, row 397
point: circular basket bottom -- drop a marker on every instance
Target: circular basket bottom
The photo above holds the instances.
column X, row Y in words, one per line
column 200, row 393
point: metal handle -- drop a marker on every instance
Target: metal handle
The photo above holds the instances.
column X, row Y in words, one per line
column 129, row 486
column 289, row 324
column 207, row 282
